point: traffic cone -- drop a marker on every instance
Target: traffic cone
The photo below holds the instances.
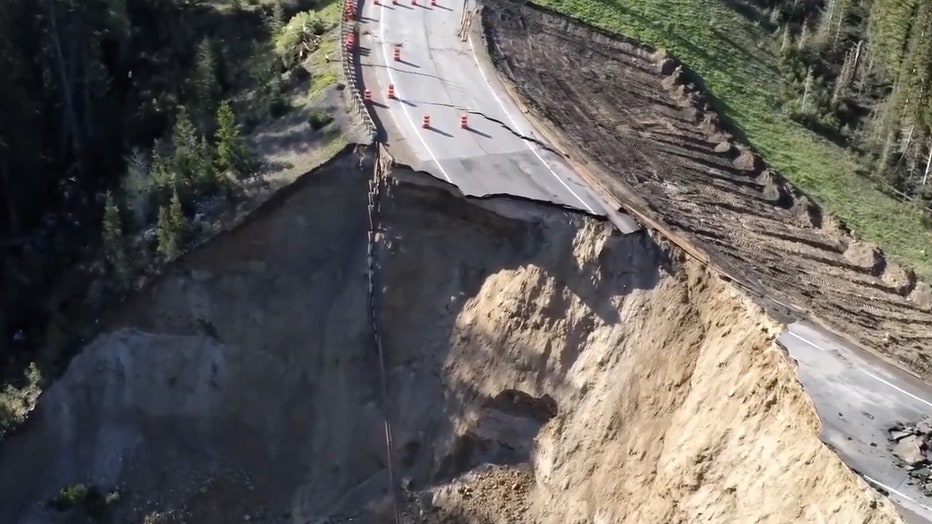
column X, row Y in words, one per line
column 391, row 91
column 425, row 122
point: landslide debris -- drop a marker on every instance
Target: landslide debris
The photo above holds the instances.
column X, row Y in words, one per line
column 911, row 445
column 541, row 368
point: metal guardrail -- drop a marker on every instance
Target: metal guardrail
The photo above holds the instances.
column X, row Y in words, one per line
column 348, row 61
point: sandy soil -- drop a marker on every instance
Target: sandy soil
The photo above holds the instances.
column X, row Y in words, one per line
column 541, row 368
column 647, row 133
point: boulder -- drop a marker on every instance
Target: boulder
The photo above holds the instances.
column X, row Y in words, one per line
column 865, row 256
column 748, row 161
column 901, row 279
column 909, row 450
column 900, row 434
column 724, row 148
column 922, row 296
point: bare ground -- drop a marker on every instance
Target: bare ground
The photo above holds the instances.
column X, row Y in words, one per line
column 639, row 123
column 541, row 368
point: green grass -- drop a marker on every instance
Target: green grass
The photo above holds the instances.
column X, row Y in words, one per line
column 325, row 74
column 736, row 59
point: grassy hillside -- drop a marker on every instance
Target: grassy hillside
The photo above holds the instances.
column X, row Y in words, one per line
column 736, row 58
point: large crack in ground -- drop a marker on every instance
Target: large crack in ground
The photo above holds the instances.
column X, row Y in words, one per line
column 513, row 131
column 542, row 368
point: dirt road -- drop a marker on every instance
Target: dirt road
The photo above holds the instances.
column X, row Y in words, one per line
column 653, row 139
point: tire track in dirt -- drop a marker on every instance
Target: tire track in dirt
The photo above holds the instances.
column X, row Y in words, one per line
column 640, row 119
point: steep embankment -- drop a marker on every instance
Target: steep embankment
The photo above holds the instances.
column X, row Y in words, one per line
column 609, row 379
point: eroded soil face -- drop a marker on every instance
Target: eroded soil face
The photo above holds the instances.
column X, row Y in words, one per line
column 599, row 378
column 633, row 115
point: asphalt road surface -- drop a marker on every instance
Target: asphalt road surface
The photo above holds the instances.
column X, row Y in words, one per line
column 859, row 397
column 440, row 75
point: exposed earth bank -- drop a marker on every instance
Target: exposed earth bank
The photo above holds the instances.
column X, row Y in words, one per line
column 599, row 378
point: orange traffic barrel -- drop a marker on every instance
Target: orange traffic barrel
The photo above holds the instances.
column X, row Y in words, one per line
column 425, row 122
column 464, row 122
column 367, row 95
column 391, row 90
column 396, row 53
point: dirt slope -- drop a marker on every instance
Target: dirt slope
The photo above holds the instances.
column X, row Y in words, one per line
column 602, row 377
column 644, row 128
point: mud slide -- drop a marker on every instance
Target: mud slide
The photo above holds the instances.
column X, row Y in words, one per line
column 541, row 368
column 644, row 128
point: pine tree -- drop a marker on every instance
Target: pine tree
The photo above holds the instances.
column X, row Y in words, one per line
column 916, row 71
column 206, row 87
column 176, row 213
column 168, row 239
column 184, row 145
column 160, row 172
column 190, row 155
column 232, row 152
column 277, row 20
column 889, row 23
column 172, row 228
column 137, row 187
column 205, row 174
column 114, row 252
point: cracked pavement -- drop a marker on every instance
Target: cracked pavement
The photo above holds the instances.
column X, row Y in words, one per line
column 440, row 77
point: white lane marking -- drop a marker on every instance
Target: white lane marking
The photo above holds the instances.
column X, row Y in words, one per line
column 807, row 341
column 868, row 373
column 903, row 391
column 518, row 129
column 404, row 107
column 897, row 493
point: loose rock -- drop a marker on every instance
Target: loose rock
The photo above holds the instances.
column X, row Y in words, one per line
column 909, row 450
column 922, row 296
column 910, row 443
column 865, row 256
column 898, row 277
